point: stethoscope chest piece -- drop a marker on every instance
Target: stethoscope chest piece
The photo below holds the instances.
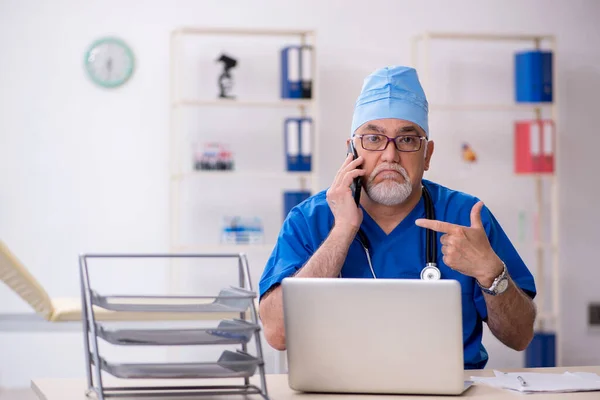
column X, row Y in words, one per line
column 430, row 272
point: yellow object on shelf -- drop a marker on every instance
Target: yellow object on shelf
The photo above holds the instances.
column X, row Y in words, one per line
column 468, row 153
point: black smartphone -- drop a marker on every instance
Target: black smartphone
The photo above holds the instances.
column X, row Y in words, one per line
column 356, row 182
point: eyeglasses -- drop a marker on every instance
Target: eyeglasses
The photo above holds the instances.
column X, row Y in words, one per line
column 376, row 142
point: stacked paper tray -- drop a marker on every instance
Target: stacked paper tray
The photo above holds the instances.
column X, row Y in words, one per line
column 227, row 332
column 229, row 300
column 230, row 365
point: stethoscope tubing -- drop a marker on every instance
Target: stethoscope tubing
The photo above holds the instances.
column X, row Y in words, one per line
column 430, row 271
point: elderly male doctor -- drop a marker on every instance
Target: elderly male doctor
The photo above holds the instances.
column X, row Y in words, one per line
column 319, row 238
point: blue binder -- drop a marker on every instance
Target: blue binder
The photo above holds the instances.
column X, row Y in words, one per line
column 533, row 76
column 292, row 199
column 296, row 72
column 291, row 86
column 306, row 71
column 541, row 352
column 298, row 143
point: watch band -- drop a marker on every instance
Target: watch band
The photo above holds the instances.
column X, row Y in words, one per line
column 499, row 285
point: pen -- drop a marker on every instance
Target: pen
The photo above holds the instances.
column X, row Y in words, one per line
column 523, row 383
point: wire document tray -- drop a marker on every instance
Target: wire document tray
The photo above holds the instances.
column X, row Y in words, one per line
column 229, row 300
column 227, row 332
column 236, row 332
column 229, row 365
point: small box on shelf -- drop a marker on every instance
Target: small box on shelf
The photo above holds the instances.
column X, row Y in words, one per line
column 213, row 156
column 240, row 230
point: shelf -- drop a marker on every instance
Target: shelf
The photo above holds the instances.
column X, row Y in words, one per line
column 489, row 107
column 244, row 32
column 281, row 103
column 243, row 175
column 483, row 36
column 536, row 174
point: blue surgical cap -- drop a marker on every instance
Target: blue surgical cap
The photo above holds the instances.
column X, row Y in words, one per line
column 391, row 92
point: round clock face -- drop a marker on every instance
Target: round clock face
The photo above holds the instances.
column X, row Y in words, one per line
column 109, row 62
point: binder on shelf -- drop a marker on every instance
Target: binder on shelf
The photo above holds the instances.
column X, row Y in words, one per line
column 296, row 72
column 306, row 71
column 534, row 146
column 541, row 352
column 298, row 143
column 292, row 199
column 533, row 76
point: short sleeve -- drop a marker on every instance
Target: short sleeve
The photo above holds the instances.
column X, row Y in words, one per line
column 292, row 250
column 503, row 247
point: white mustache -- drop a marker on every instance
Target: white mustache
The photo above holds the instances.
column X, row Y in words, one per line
column 394, row 167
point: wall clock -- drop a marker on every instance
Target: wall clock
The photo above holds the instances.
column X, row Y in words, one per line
column 109, row 62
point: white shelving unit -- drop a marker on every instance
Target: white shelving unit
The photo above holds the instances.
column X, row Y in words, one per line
column 421, row 47
column 202, row 104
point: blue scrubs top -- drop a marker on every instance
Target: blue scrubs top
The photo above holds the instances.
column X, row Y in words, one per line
column 401, row 254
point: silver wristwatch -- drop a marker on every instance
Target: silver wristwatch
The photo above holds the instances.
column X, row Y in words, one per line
column 499, row 285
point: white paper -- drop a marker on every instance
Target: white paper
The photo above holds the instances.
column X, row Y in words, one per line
column 543, row 382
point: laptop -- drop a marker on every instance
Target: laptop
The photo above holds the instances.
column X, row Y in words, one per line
column 388, row 336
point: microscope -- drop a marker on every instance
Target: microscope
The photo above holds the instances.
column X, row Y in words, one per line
column 225, row 79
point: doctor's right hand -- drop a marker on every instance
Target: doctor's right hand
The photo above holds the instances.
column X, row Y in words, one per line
column 348, row 216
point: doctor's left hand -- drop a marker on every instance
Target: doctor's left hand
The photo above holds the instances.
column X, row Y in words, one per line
column 466, row 248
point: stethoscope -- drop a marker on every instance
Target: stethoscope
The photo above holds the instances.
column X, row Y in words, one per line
column 431, row 271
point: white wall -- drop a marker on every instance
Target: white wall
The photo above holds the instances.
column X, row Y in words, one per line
column 84, row 169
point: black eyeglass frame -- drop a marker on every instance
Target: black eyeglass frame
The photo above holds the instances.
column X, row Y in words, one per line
column 389, row 139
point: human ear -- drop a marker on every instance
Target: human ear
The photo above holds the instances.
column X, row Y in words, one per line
column 428, row 153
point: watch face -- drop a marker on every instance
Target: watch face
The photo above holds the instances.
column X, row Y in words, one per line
column 502, row 285
column 109, row 62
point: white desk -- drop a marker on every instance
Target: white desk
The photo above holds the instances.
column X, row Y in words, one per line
column 277, row 386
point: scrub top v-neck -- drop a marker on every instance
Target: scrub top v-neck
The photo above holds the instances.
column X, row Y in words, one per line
column 387, row 262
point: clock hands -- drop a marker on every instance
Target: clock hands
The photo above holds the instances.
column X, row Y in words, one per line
column 109, row 62
column 109, row 66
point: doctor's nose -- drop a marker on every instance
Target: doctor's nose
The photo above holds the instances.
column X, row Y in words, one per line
column 391, row 153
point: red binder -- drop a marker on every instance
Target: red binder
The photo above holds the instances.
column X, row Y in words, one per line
column 534, row 146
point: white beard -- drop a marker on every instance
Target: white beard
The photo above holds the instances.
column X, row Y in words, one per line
column 389, row 192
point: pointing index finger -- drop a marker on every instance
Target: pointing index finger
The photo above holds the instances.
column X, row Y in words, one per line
column 438, row 226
